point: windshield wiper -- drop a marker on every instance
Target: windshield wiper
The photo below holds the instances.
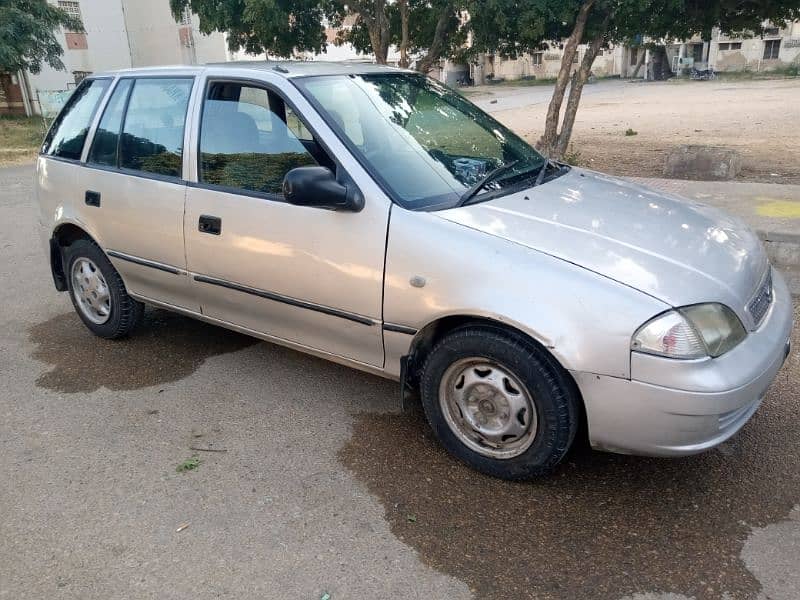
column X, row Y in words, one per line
column 491, row 176
column 547, row 163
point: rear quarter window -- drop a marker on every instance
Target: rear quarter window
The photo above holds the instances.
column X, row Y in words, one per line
column 68, row 133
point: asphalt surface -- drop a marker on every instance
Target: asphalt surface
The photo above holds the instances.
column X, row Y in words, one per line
column 312, row 481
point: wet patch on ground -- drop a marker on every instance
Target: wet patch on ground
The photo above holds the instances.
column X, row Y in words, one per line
column 166, row 347
column 603, row 526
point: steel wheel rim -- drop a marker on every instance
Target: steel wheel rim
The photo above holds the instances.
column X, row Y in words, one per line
column 90, row 291
column 488, row 408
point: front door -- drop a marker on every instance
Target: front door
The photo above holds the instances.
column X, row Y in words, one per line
column 307, row 275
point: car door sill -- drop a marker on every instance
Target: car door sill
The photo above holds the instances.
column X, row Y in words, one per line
column 342, row 360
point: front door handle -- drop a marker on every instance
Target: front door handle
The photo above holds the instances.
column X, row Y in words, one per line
column 92, row 198
column 209, row 224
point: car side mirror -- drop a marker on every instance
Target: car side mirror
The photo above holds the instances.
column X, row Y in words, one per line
column 318, row 187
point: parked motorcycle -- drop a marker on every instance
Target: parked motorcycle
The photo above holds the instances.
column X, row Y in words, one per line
column 703, row 74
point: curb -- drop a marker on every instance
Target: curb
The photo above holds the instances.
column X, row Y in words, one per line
column 779, row 237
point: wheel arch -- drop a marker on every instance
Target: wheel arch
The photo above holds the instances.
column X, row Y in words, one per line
column 425, row 339
column 64, row 235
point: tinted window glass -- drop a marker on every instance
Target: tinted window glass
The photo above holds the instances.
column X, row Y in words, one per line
column 104, row 145
column 152, row 133
column 244, row 140
column 68, row 133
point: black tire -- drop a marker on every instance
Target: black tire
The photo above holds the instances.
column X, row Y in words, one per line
column 125, row 314
column 554, row 395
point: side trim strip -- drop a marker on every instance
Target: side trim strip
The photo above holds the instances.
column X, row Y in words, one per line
column 144, row 262
column 399, row 328
column 286, row 300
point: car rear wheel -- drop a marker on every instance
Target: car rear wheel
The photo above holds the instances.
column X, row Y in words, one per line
column 499, row 402
column 98, row 292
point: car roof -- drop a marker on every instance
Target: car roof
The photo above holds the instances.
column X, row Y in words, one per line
column 286, row 68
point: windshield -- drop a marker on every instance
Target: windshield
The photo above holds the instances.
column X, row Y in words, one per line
column 426, row 143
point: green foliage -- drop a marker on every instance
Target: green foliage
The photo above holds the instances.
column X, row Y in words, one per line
column 574, row 157
column 190, row 464
column 27, row 38
column 250, row 171
column 508, row 27
column 277, row 27
column 422, row 18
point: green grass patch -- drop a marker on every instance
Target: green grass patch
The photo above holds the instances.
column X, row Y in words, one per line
column 526, row 81
column 190, row 464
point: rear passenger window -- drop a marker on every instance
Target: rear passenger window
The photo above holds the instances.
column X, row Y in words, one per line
column 106, row 137
column 245, row 142
column 68, row 133
column 152, row 130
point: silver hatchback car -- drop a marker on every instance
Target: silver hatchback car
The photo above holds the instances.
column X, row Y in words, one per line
column 374, row 217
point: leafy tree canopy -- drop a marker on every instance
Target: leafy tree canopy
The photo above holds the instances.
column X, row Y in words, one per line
column 277, row 27
column 27, row 38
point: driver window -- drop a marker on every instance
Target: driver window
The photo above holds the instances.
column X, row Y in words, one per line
column 245, row 142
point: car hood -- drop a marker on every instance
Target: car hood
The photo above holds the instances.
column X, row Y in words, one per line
column 673, row 249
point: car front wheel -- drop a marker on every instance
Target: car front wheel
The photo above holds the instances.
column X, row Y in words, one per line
column 499, row 402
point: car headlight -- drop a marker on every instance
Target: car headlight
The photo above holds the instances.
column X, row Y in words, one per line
column 691, row 332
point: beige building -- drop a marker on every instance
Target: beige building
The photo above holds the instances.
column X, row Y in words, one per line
column 118, row 34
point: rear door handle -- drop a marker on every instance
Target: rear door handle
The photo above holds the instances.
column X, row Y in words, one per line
column 92, row 198
column 209, row 224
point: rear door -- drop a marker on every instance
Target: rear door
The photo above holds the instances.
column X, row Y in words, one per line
column 134, row 189
column 306, row 275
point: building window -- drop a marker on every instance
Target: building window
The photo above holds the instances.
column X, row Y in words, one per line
column 537, row 59
column 634, row 56
column 771, row 31
column 723, row 46
column 186, row 17
column 72, row 8
column 772, row 49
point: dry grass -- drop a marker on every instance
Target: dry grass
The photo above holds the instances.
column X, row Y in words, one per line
column 20, row 138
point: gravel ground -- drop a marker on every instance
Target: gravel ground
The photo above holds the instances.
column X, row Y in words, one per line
column 312, row 481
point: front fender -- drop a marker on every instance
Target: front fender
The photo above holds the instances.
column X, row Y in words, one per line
column 584, row 319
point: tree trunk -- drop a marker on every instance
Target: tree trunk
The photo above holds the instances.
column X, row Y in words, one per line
column 375, row 18
column 548, row 140
column 575, row 91
column 436, row 48
column 403, row 6
column 639, row 62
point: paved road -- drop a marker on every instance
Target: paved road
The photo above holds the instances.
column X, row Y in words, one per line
column 321, row 485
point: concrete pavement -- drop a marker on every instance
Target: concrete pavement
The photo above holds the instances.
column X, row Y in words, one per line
column 317, row 483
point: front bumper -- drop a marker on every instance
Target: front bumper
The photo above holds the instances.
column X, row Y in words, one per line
column 675, row 408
